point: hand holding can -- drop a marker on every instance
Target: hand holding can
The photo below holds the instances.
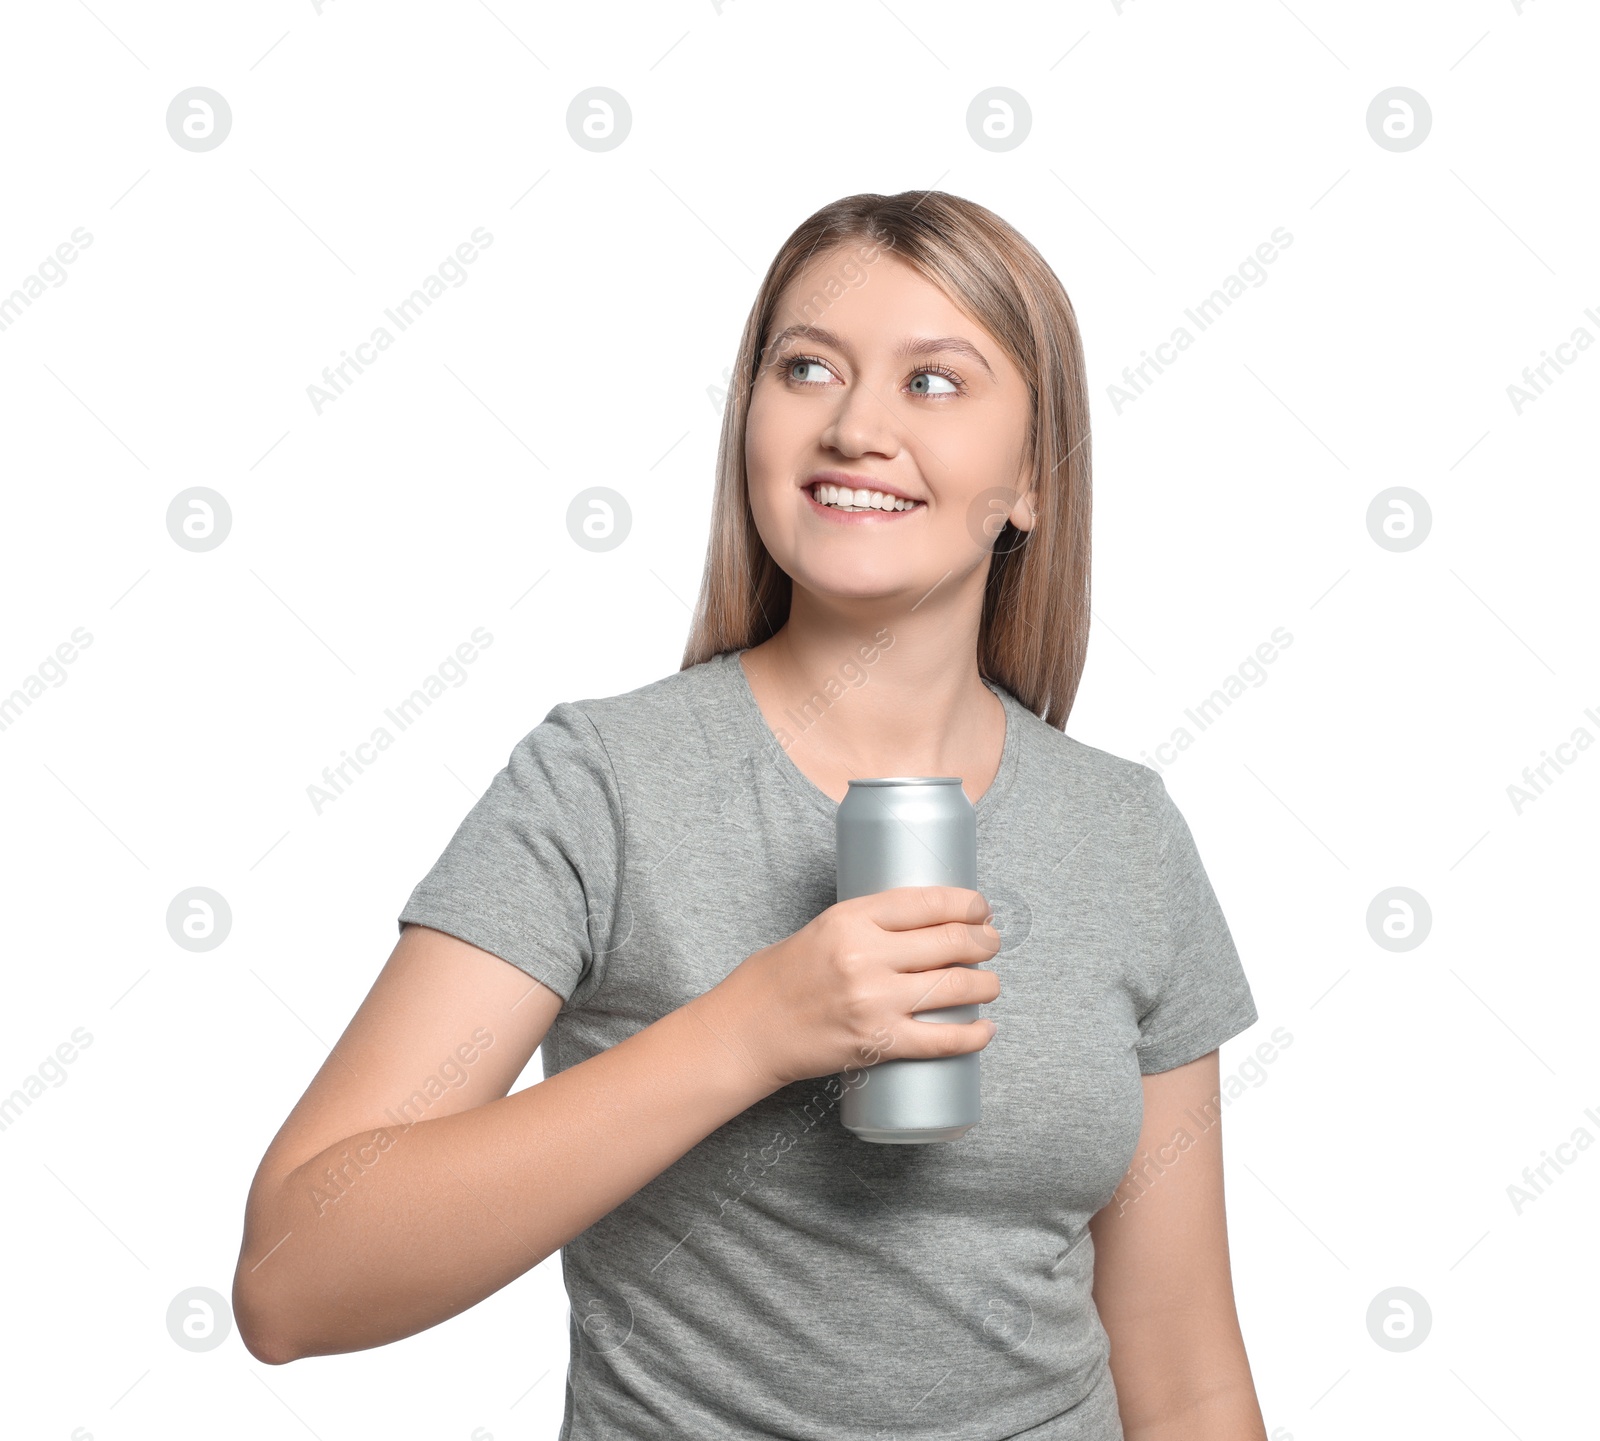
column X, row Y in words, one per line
column 896, row 831
column 841, row 991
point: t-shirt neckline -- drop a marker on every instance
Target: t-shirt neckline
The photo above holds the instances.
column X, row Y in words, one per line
column 988, row 803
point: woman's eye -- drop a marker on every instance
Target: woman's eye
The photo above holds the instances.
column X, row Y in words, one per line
column 794, row 365
column 931, row 377
column 924, row 382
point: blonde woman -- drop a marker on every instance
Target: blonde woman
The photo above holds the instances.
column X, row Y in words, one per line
column 897, row 583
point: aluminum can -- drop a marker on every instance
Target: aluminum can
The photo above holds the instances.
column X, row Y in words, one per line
column 909, row 831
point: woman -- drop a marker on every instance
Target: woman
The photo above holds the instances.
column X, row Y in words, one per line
column 897, row 583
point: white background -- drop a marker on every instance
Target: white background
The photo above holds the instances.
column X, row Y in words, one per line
column 369, row 541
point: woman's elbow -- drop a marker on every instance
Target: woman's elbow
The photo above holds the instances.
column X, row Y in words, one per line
column 260, row 1328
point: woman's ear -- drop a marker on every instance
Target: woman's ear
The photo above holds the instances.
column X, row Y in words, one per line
column 1025, row 511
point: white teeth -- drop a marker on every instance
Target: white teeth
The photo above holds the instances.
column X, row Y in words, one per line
column 846, row 499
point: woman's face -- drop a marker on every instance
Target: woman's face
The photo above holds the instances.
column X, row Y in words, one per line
column 891, row 386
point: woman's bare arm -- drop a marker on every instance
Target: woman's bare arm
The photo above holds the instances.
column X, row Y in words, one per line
column 406, row 1185
column 1162, row 1281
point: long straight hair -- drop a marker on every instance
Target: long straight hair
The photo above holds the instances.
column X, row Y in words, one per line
column 1034, row 632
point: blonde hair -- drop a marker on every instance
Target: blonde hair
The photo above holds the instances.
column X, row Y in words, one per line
column 1034, row 632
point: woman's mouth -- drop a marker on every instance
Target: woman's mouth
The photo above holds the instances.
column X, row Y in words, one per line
column 841, row 503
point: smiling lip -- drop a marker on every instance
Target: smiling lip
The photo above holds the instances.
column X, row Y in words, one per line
column 858, row 517
column 856, row 482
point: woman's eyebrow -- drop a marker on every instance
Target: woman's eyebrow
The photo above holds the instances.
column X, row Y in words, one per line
column 926, row 346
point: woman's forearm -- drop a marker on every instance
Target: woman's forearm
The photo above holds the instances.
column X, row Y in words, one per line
column 1230, row 1413
column 391, row 1231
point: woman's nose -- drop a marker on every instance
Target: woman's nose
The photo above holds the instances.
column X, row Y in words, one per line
column 862, row 422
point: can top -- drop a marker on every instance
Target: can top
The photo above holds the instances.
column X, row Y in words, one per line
column 906, row 781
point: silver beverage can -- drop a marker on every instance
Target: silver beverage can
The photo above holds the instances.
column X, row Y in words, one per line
column 909, row 831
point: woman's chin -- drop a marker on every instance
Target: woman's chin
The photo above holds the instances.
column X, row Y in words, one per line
column 889, row 584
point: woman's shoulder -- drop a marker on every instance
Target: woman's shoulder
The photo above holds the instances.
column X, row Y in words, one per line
column 1102, row 768
column 1067, row 765
column 665, row 693
column 679, row 711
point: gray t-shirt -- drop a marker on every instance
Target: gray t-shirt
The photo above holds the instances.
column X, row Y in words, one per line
column 784, row 1278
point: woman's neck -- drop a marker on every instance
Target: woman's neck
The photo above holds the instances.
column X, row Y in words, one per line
column 845, row 706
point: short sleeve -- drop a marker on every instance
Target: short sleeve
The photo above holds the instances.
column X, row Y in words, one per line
column 531, row 873
column 1201, row 994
